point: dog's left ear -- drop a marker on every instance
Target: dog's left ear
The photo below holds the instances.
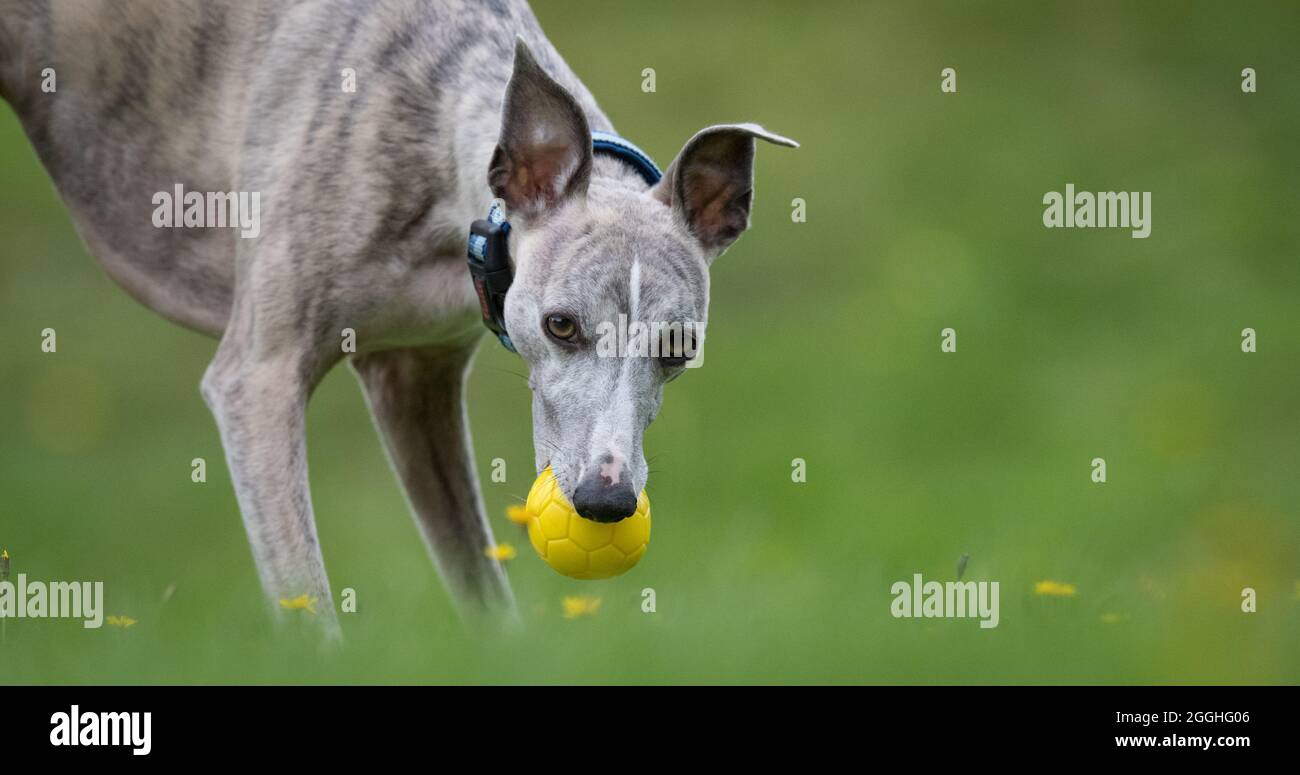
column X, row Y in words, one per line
column 711, row 183
column 543, row 156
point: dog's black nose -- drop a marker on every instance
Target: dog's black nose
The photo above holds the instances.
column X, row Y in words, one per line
column 600, row 500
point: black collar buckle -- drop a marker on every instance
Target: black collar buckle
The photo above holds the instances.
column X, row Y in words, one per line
column 489, row 267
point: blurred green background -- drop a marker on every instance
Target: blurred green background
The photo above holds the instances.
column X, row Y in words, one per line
column 924, row 212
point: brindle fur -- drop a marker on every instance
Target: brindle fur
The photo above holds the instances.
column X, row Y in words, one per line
column 366, row 199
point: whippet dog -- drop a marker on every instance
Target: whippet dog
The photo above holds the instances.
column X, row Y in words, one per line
column 367, row 196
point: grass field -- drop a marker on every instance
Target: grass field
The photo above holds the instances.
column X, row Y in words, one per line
column 924, row 212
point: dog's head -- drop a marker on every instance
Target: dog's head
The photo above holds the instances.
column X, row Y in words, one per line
column 611, row 292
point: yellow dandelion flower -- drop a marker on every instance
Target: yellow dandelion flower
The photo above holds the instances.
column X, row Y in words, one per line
column 299, row 603
column 1054, row 589
column 580, row 605
column 120, row 621
column 1110, row 617
column 517, row 514
column 501, row 552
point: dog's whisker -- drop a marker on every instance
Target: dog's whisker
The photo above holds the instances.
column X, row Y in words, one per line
column 511, row 372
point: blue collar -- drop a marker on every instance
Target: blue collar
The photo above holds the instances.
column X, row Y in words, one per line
column 613, row 145
column 489, row 239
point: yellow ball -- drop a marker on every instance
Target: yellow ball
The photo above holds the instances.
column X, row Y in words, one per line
column 582, row 548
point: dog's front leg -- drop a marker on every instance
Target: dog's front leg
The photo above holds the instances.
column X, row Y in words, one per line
column 416, row 397
column 259, row 398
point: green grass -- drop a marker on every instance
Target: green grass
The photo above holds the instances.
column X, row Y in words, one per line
column 924, row 213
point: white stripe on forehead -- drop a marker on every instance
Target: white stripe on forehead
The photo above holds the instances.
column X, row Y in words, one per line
column 635, row 290
column 623, row 398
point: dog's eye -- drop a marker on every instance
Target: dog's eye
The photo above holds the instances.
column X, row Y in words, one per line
column 561, row 327
column 676, row 350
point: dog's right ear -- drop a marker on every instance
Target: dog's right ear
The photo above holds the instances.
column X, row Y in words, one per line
column 543, row 156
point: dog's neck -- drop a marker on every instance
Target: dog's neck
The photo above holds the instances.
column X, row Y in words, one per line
column 611, row 171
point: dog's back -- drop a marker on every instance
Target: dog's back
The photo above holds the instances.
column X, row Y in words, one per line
column 137, row 97
column 234, row 95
